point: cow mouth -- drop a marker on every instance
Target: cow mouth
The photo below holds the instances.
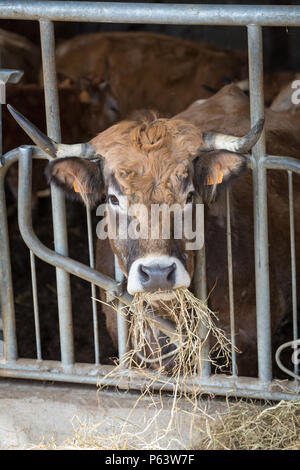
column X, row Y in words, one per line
column 162, row 295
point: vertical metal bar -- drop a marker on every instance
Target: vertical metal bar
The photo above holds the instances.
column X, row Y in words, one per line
column 230, row 283
column 255, row 52
column 293, row 262
column 35, row 304
column 57, row 197
column 200, row 290
column 122, row 321
column 93, row 287
column 7, row 306
column 6, row 286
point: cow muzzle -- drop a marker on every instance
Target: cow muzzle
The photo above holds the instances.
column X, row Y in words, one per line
column 157, row 273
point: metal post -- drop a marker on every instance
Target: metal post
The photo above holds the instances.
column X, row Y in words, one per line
column 58, row 200
column 6, row 286
column 293, row 263
column 230, row 282
column 200, row 291
column 93, row 287
column 7, row 306
column 255, row 51
column 121, row 320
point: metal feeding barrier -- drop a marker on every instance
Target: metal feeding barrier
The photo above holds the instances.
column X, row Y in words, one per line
column 264, row 386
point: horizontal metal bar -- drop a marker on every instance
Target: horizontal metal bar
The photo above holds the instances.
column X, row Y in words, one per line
column 179, row 14
column 218, row 384
column 272, row 162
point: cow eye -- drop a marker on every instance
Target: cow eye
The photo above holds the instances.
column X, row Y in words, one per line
column 190, row 198
column 113, row 200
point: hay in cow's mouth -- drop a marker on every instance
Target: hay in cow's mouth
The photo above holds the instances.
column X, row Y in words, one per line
column 173, row 338
column 183, row 350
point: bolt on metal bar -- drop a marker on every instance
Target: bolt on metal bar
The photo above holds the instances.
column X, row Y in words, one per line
column 93, row 287
column 230, row 282
column 57, row 197
column 293, row 262
column 178, row 14
column 35, row 306
column 255, row 53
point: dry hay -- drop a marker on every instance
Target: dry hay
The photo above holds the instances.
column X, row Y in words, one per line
column 241, row 425
column 193, row 323
column 176, row 342
column 248, row 426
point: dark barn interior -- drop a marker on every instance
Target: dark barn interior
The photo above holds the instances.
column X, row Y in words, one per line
column 281, row 62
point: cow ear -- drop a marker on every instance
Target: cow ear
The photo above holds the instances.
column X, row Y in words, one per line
column 81, row 179
column 215, row 170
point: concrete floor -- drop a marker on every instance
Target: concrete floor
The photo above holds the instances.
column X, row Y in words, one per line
column 34, row 415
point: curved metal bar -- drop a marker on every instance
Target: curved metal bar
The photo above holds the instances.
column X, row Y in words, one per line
column 13, row 156
column 273, row 162
column 49, row 256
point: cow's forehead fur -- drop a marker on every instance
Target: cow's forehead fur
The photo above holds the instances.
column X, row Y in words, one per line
column 150, row 160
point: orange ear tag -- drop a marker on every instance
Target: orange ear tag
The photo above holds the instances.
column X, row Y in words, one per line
column 76, row 187
column 210, row 181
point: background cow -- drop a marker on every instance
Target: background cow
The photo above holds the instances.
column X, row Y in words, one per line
column 150, row 71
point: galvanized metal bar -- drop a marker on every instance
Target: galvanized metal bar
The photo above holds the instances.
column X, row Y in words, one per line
column 273, row 162
column 89, row 374
column 6, row 285
column 200, row 291
column 93, row 287
column 230, row 282
column 122, row 322
column 293, row 263
column 7, row 306
column 179, row 14
column 35, row 307
column 263, row 316
column 58, row 201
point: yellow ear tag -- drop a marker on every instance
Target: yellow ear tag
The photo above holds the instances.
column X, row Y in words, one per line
column 210, row 181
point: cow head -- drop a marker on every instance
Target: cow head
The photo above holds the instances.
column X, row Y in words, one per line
column 141, row 164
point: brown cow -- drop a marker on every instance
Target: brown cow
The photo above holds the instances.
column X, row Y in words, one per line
column 149, row 162
column 150, row 71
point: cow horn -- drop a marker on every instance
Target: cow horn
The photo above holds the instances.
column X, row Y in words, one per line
column 49, row 146
column 216, row 141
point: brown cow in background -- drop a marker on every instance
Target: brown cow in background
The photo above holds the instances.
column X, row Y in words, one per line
column 150, row 71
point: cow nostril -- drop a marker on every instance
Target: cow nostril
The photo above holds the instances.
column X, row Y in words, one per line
column 155, row 276
column 143, row 273
column 171, row 275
